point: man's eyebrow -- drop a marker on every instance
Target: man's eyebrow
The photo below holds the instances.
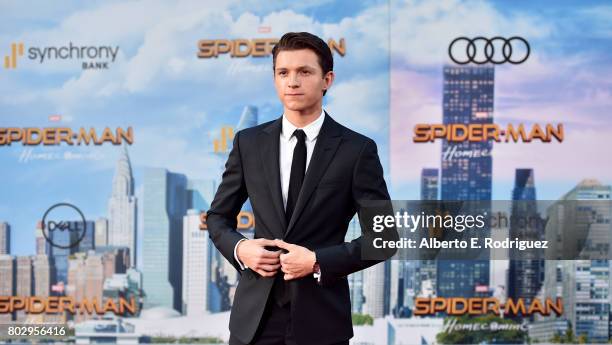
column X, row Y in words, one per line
column 298, row 67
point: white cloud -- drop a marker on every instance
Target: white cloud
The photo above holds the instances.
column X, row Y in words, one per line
column 360, row 104
column 158, row 44
column 603, row 17
column 422, row 30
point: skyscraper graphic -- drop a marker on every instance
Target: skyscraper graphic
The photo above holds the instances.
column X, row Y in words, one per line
column 85, row 279
column 426, row 273
column 165, row 203
column 42, row 275
column 376, row 289
column 5, row 238
column 220, row 275
column 429, row 184
column 59, row 256
column 525, row 272
column 411, row 274
column 466, row 166
column 200, row 294
column 23, row 286
column 524, row 185
column 7, row 283
column 408, row 285
column 41, row 242
column 101, row 232
column 355, row 279
column 248, row 118
column 88, row 240
column 122, row 208
column 584, row 285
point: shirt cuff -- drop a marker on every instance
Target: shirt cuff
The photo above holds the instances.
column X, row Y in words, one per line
column 317, row 276
column 242, row 266
column 317, row 272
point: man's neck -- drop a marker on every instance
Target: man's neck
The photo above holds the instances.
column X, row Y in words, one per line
column 301, row 119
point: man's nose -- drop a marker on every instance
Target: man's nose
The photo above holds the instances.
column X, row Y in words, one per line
column 294, row 81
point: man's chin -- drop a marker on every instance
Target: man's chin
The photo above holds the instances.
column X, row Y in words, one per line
column 298, row 107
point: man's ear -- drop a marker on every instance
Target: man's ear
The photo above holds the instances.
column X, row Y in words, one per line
column 329, row 79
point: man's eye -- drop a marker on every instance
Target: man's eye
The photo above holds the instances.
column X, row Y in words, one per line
column 305, row 72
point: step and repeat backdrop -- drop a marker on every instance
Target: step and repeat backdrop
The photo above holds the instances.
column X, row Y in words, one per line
column 117, row 117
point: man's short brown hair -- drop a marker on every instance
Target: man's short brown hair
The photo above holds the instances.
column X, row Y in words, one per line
column 305, row 40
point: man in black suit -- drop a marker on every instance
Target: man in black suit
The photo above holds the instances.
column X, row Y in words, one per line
column 306, row 176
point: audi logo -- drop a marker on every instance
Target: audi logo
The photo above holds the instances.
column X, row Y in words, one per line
column 496, row 50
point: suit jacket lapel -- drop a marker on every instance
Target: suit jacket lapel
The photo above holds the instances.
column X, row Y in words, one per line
column 327, row 143
column 268, row 141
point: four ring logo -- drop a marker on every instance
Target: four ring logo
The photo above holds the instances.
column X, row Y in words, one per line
column 481, row 50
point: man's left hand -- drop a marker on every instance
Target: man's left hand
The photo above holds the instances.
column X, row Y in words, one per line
column 298, row 262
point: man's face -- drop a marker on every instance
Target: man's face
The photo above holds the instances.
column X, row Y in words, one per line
column 299, row 80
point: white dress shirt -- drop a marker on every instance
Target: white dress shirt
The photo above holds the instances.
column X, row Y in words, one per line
column 287, row 144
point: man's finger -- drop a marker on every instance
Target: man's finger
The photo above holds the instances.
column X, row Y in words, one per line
column 266, row 242
column 286, row 269
column 283, row 244
column 269, row 261
column 270, row 254
column 288, row 276
column 285, row 261
column 269, row 268
column 265, row 273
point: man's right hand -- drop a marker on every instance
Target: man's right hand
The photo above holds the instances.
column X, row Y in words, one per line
column 253, row 254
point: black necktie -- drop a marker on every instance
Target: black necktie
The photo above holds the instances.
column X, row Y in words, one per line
column 298, row 169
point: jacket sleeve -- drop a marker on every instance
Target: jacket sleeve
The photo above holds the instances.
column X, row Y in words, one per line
column 368, row 184
column 221, row 218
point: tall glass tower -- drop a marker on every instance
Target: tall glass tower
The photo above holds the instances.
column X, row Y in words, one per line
column 466, row 166
column 165, row 202
column 526, row 273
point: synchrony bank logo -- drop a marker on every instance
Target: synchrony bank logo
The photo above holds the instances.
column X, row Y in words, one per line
column 91, row 57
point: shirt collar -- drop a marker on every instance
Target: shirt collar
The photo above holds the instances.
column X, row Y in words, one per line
column 312, row 129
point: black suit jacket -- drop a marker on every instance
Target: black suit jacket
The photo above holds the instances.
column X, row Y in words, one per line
column 344, row 170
